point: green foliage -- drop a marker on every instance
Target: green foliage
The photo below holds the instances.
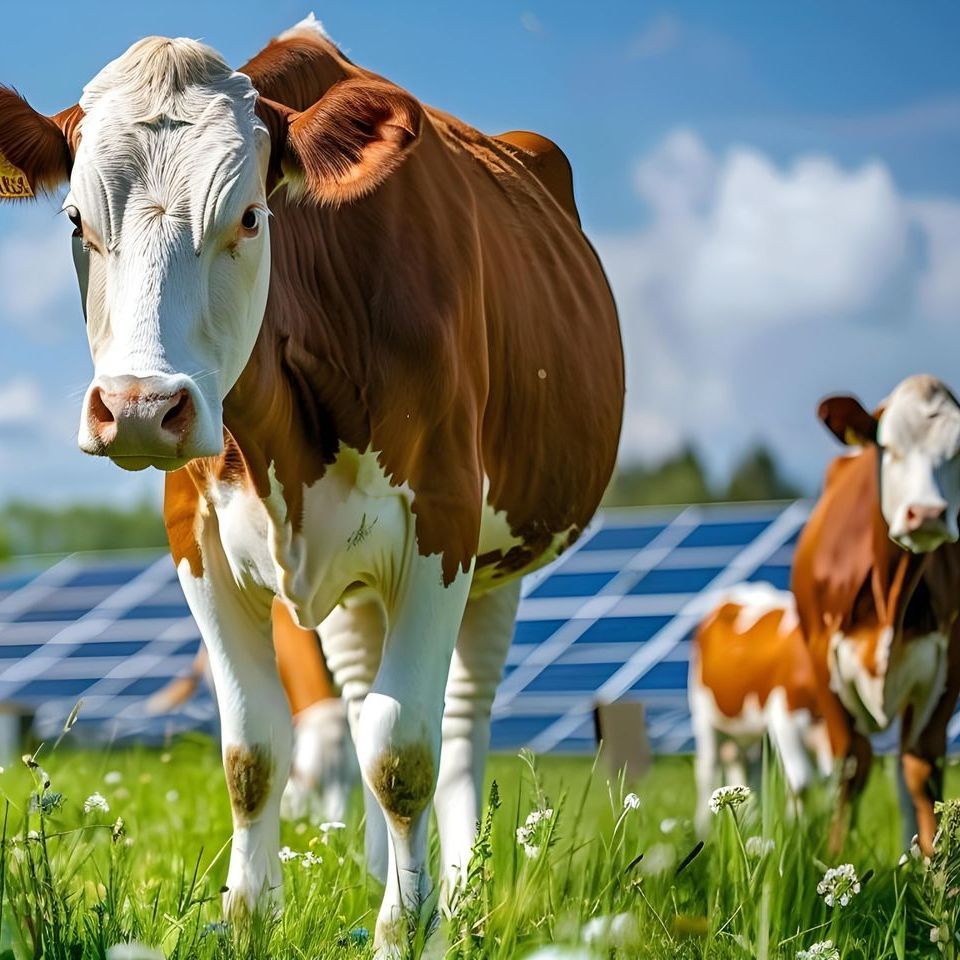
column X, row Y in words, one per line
column 610, row 874
column 29, row 528
column 682, row 479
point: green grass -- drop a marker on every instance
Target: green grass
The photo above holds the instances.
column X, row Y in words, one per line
column 82, row 885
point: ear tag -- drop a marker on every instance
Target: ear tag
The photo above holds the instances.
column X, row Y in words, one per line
column 13, row 181
column 852, row 438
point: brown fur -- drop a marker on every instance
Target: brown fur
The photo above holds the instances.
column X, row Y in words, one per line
column 735, row 665
column 404, row 779
column 416, row 321
column 249, row 772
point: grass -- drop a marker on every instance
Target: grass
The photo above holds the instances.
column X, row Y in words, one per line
column 80, row 883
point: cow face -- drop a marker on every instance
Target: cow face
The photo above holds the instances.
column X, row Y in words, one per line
column 918, row 432
column 169, row 158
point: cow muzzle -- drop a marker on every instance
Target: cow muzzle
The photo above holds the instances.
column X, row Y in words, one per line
column 141, row 422
column 924, row 527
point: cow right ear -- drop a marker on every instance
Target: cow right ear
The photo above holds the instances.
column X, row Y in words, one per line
column 846, row 419
column 36, row 152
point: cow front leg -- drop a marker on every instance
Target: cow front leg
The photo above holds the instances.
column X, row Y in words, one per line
column 256, row 729
column 352, row 637
column 399, row 731
column 475, row 671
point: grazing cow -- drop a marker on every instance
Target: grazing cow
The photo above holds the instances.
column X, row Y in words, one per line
column 876, row 576
column 751, row 676
column 323, row 766
column 383, row 398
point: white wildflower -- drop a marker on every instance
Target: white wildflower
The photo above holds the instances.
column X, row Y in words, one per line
column 669, row 825
column 33, row 835
column 112, row 777
column 329, row 825
column 286, row 854
column 535, row 831
column 824, row 950
column 940, row 934
column 172, row 796
column 631, row 801
column 758, row 847
column 96, row 801
column 839, row 885
column 620, row 930
column 732, row 797
column 310, row 859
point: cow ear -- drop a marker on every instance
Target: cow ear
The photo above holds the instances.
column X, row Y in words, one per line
column 847, row 420
column 36, row 152
column 348, row 142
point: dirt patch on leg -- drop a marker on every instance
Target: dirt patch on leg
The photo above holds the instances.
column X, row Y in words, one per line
column 403, row 781
column 249, row 773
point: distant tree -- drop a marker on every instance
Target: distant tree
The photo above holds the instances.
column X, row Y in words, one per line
column 757, row 477
column 29, row 528
column 679, row 479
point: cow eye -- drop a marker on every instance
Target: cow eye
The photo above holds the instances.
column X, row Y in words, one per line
column 73, row 215
column 250, row 222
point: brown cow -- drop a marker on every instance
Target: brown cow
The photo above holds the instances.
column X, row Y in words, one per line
column 383, row 403
column 751, row 676
column 876, row 576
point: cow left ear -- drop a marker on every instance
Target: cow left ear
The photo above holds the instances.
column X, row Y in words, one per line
column 846, row 419
column 347, row 143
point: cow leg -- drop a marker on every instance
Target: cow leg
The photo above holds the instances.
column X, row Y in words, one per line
column 853, row 778
column 255, row 722
column 399, row 732
column 475, row 671
column 352, row 638
column 786, row 732
column 706, row 769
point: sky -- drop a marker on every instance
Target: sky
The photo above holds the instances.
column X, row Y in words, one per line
column 774, row 190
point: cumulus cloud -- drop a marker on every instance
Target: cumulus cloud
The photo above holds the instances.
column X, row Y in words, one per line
column 756, row 288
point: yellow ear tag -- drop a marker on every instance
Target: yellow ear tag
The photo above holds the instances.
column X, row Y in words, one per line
column 13, row 181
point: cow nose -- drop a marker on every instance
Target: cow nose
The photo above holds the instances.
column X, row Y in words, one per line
column 133, row 417
column 921, row 516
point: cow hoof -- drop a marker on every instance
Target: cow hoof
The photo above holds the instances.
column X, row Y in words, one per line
column 252, row 893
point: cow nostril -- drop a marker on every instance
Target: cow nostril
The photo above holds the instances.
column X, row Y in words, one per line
column 99, row 411
column 178, row 417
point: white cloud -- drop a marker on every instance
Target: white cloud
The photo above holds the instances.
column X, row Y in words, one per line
column 21, row 401
column 659, row 37
column 755, row 289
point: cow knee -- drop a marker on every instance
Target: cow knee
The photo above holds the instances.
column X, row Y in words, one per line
column 399, row 762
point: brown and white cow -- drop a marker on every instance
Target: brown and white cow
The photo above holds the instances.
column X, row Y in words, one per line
column 751, row 676
column 876, row 576
column 323, row 764
column 382, row 367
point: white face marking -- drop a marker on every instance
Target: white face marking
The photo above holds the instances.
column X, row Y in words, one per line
column 919, row 435
column 169, row 181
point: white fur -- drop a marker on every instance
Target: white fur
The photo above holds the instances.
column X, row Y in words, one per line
column 309, row 25
column 912, row 672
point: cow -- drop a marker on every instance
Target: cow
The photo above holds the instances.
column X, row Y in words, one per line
column 323, row 766
column 751, row 676
column 876, row 576
column 381, row 367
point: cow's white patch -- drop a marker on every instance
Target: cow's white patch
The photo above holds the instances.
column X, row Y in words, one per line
column 911, row 671
column 309, row 25
column 756, row 600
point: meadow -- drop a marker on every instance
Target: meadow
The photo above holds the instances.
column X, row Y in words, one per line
column 613, row 870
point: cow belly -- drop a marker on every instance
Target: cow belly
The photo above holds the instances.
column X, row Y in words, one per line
column 913, row 674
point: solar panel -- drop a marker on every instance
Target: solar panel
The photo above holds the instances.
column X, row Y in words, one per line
column 611, row 618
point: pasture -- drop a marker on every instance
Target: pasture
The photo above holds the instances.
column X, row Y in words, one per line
column 75, row 883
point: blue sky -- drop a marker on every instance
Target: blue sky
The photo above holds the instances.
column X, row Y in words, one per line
column 774, row 189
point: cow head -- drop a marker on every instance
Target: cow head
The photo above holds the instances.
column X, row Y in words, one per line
column 169, row 160
column 917, row 429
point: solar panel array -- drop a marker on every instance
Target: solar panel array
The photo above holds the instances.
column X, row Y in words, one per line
column 611, row 619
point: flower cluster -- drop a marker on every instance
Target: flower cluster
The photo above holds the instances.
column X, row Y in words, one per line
column 631, row 802
column 839, row 885
column 824, row 950
column 96, row 801
column 731, row 797
column 535, row 831
column 307, row 860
